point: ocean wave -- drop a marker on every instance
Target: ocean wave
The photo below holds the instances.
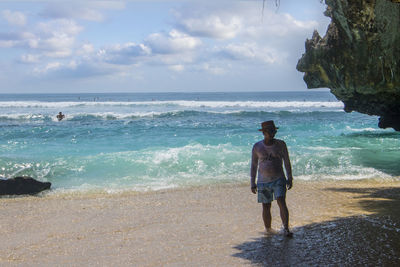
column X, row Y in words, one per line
column 324, row 148
column 176, row 103
column 368, row 129
column 26, row 118
column 187, row 165
column 365, row 174
column 90, row 116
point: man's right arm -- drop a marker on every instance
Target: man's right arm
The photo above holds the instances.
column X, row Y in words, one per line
column 254, row 166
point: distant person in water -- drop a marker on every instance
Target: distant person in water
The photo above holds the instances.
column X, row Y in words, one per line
column 60, row 116
column 268, row 156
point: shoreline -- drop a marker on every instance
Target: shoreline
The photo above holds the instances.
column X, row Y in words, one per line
column 116, row 192
column 338, row 222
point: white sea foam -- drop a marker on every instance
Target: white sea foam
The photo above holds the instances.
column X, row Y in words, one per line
column 111, row 189
column 324, row 148
column 178, row 103
column 109, row 115
column 363, row 173
column 114, row 115
column 368, row 129
column 22, row 116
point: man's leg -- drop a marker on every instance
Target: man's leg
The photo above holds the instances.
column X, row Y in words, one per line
column 283, row 211
column 266, row 214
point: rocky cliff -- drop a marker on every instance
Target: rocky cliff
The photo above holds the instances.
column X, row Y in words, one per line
column 359, row 57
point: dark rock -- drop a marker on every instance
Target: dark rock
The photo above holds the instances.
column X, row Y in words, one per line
column 22, row 185
column 388, row 121
column 359, row 58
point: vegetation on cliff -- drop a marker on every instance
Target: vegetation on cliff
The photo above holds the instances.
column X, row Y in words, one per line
column 358, row 58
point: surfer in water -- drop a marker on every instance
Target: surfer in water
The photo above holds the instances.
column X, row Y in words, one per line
column 60, row 116
column 267, row 157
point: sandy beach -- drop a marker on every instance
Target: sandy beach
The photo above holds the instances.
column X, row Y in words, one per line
column 334, row 223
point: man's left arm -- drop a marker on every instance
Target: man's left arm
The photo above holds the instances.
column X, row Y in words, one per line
column 288, row 166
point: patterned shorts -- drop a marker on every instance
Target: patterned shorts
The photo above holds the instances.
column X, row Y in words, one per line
column 272, row 190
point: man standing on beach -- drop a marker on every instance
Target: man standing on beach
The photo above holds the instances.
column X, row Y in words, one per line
column 267, row 157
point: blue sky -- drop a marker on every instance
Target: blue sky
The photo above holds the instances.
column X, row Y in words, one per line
column 154, row 46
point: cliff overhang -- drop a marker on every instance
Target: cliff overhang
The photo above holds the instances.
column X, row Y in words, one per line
column 359, row 58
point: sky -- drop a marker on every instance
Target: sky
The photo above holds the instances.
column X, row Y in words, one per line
column 155, row 46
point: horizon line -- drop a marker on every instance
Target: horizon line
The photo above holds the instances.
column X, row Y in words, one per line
column 166, row 92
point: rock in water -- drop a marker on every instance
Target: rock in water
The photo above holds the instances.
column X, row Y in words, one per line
column 22, row 185
column 359, row 58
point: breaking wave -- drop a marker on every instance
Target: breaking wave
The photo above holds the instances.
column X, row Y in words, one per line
column 178, row 103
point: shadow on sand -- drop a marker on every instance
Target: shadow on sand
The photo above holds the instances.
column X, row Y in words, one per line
column 372, row 240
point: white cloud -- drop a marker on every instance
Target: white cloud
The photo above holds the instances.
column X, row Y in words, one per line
column 85, row 50
column 238, row 52
column 239, row 20
column 16, row 39
column 278, row 26
column 177, row 68
column 124, row 54
column 29, row 58
column 59, row 26
column 8, row 43
column 172, row 49
column 173, row 42
column 213, row 69
column 51, row 39
column 52, row 66
column 52, row 36
column 239, row 33
column 54, row 39
column 14, row 18
column 250, row 52
column 76, row 69
column 57, row 46
column 213, row 26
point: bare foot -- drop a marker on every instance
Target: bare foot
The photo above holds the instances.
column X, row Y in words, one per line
column 269, row 231
column 287, row 233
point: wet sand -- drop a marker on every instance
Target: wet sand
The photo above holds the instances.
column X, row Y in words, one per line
column 334, row 223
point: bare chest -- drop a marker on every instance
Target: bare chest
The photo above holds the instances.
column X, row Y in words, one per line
column 269, row 153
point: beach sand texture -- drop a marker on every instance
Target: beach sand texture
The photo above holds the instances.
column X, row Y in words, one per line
column 334, row 223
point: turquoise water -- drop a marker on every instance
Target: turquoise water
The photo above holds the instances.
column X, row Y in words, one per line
column 161, row 140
